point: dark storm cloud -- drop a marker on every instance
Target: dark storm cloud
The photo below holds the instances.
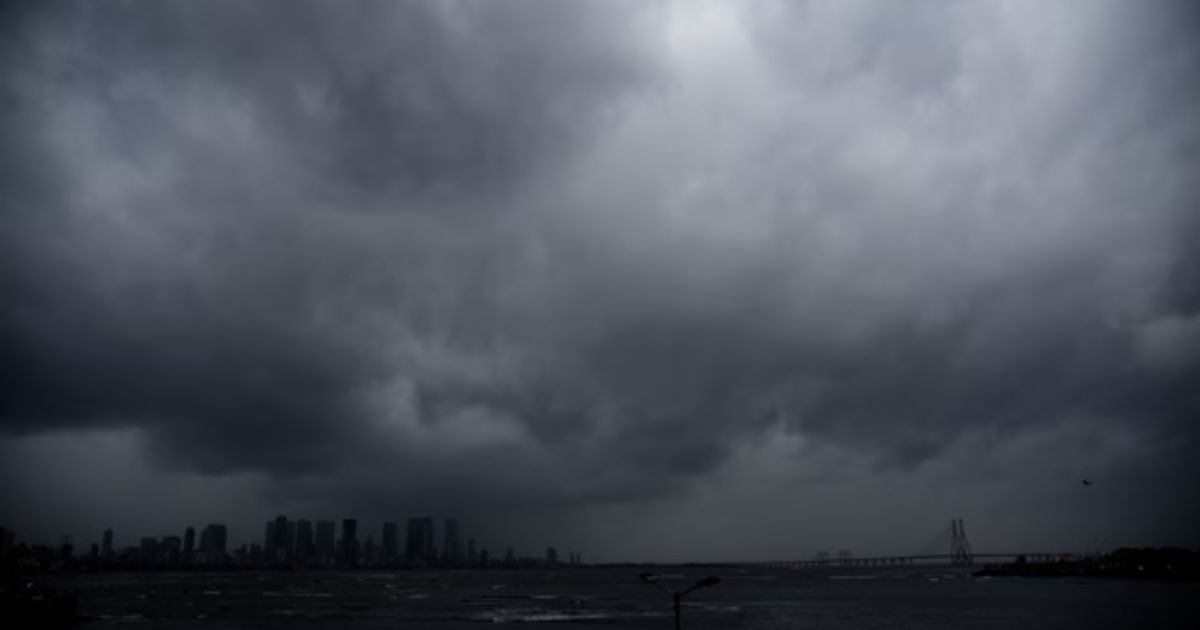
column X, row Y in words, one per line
column 585, row 252
column 232, row 321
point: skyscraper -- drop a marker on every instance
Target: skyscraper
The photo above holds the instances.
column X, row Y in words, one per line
column 289, row 541
column 107, row 549
column 390, row 541
column 411, row 553
column 281, row 549
column 370, row 552
column 450, row 547
column 325, row 543
column 189, row 544
column 7, row 540
column 212, row 543
column 472, row 557
column 350, row 542
column 170, row 548
column 149, row 550
column 304, row 541
column 419, row 547
column 269, row 542
column 218, row 537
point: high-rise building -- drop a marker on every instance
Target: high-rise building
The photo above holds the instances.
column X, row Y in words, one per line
column 451, row 551
column 212, row 543
column 289, row 541
column 304, row 541
column 472, row 557
column 551, row 556
column 370, row 552
column 281, row 547
column 106, row 548
column 390, row 541
column 411, row 548
column 171, row 548
column 189, row 544
column 269, row 542
column 325, row 542
column 419, row 547
column 350, row 542
column 148, row 550
column 7, row 543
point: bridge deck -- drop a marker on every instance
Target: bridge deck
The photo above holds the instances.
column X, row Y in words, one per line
column 907, row 559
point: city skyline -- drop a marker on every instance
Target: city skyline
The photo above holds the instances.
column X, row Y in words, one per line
column 290, row 542
column 660, row 280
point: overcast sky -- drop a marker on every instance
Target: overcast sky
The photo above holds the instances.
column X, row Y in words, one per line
column 654, row 280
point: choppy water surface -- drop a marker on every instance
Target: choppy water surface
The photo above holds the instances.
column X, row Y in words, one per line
column 616, row 598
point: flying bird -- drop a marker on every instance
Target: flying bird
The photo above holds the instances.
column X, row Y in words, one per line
column 1086, row 482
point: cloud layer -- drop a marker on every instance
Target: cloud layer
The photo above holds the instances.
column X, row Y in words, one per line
column 569, row 254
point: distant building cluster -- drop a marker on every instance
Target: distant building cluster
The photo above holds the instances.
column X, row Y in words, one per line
column 286, row 543
column 171, row 550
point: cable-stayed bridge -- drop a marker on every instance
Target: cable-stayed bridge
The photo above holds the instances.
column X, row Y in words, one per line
column 960, row 554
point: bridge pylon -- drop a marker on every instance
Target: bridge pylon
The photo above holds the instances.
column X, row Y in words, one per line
column 960, row 547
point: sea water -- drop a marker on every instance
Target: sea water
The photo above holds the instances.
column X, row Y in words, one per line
column 614, row 597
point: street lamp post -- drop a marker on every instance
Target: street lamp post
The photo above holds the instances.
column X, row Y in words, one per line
column 677, row 596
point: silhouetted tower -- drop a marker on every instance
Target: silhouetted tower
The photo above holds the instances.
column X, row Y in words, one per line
column 960, row 547
column 171, row 547
column 269, row 542
column 7, row 542
column 212, row 543
column 450, row 545
column 148, row 550
column 107, row 548
column 370, row 555
column 282, row 534
column 289, row 541
column 350, row 542
column 419, row 547
column 189, row 544
column 390, row 542
column 303, row 551
column 325, row 542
